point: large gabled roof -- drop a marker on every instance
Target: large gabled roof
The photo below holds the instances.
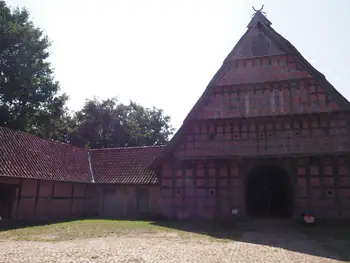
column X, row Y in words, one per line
column 281, row 46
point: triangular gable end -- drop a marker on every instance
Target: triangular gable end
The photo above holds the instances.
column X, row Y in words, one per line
column 262, row 67
column 256, row 43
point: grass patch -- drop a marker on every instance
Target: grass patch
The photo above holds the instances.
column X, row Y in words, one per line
column 336, row 238
column 94, row 228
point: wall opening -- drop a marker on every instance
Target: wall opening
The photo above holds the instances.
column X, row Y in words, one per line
column 143, row 200
column 7, row 197
column 108, row 202
column 269, row 193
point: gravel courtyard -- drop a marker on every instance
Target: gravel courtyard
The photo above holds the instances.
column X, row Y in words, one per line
column 253, row 246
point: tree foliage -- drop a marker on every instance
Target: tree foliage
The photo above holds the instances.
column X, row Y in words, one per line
column 107, row 123
column 30, row 98
column 28, row 92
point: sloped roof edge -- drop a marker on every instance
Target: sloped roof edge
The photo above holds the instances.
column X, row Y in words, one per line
column 281, row 41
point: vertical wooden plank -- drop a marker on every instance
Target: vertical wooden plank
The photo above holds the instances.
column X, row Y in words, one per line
column 308, row 187
column 241, row 174
column 238, row 108
column 196, row 164
column 37, row 197
column 292, row 134
column 291, row 102
column 272, row 99
column 310, row 132
column 317, row 96
column 125, row 201
column 217, row 150
column 347, row 161
column 265, row 137
column 339, row 137
column 299, row 103
column 206, row 176
column 184, row 167
column 336, row 184
column 281, row 97
column 284, row 135
column 246, row 102
column 102, row 200
column 295, row 189
column 307, row 87
column 173, row 174
column 52, row 198
column 257, row 141
column 274, row 147
column 19, row 197
column 301, row 137
column 322, row 177
column 255, row 102
column 72, row 199
column 229, row 176
column 217, row 204
column 86, row 200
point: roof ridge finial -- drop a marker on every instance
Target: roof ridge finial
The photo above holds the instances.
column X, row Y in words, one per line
column 259, row 10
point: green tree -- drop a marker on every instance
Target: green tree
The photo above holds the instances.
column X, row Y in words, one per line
column 145, row 126
column 107, row 123
column 29, row 98
column 98, row 125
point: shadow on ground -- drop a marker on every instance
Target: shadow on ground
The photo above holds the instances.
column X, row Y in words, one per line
column 331, row 242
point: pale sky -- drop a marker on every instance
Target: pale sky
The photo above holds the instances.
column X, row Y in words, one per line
column 163, row 53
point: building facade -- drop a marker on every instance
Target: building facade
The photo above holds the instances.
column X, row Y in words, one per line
column 269, row 137
column 42, row 179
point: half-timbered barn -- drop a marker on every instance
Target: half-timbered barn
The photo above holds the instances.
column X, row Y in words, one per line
column 269, row 137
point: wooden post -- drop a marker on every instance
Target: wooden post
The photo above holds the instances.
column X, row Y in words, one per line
column 336, row 184
column 206, row 175
column 19, row 197
column 37, row 197
column 173, row 188
column 125, row 200
column 72, row 199
column 52, row 197
column 217, row 197
column 183, row 188
column 102, row 200
column 195, row 187
column 229, row 177
column 308, row 186
column 86, row 200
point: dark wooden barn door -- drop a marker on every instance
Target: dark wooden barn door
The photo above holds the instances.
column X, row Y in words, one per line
column 109, row 205
column 143, row 197
column 7, row 197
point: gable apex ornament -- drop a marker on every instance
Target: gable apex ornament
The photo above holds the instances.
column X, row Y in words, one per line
column 259, row 10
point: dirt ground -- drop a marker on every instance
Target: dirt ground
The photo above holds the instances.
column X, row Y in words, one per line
column 168, row 248
column 252, row 245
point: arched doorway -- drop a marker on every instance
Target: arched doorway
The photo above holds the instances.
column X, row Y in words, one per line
column 269, row 192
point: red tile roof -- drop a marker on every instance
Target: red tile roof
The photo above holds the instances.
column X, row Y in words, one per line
column 124, row 165
column 27, row 156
